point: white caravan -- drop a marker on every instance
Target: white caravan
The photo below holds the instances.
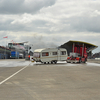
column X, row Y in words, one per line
column 50, row 55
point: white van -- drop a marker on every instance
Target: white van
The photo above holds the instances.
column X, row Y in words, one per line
column 50, row 55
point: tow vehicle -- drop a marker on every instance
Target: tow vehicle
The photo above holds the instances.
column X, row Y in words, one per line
column 78, row 55
column 78, row 51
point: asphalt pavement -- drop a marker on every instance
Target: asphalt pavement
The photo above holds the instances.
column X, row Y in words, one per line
column 24, row 80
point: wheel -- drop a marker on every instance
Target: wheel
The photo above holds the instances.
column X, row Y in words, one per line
column 67, row 61
column 80, row 60
column 55, row 62
column 51, row 62
column 44, row 62
column 85, row 60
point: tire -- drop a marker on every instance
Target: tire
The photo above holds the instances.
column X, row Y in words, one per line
column 51, row 62
column 55, row 62
column 85, row 60
column 80, row 60
column 67, row 61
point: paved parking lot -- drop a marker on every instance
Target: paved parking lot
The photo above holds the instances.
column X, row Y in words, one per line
column 60, row 81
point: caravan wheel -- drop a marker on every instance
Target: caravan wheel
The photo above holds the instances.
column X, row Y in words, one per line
column 55, row 62
column 51, row 62
column 44, row 62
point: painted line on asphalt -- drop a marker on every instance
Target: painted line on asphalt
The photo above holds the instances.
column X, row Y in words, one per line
column 13, row 75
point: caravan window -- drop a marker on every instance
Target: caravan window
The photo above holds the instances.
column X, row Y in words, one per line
column 63, row 52
column 36, row 54
column 54, row 53
column 45, row 54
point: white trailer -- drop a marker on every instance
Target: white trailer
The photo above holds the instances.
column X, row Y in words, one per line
column 50, row 55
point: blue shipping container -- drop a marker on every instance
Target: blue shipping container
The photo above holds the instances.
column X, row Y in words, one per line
column 14, row 54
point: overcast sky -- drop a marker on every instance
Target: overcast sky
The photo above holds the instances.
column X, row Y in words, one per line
column 50, row 23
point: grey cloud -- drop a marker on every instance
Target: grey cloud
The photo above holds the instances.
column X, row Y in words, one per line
column 93, row 5
column 2, row 34
column 85, row 23
column 35, row 26
column 19, row 6
column 7, row 26
column 78, row 24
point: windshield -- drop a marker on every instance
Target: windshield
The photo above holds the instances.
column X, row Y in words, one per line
column 36, row 54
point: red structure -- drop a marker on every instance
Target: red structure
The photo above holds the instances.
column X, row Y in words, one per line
column 78, row 54
column 78, row 51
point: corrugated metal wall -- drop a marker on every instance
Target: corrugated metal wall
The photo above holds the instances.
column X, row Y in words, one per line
column 4, row 53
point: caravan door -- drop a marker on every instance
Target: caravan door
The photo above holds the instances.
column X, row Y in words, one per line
column 59, row 55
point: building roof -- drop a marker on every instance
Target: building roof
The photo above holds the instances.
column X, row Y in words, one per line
column 68, row 45
column 38, row 50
